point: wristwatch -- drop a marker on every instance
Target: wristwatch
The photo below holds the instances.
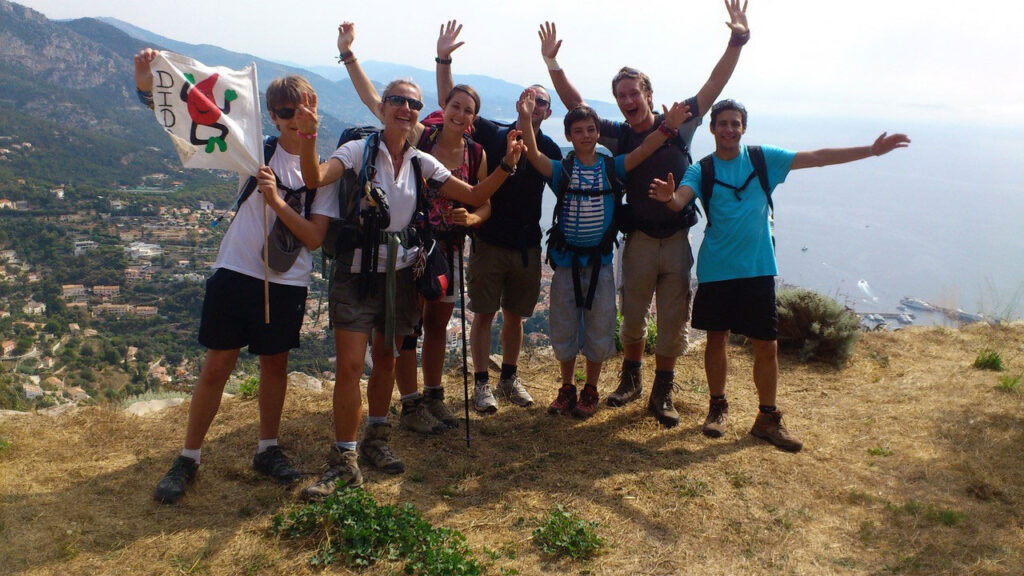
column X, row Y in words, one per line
column 504, row 166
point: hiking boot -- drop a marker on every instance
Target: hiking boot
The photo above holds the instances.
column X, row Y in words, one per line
column 769, row 427
column 433, row 399
column 173, row 485
column 483, row 400
column 660, row 402
column 512, row 389
column 629, row 388
column 342, row 472
column 587, row 405
column 417, row 418
column 375, row 450
column 272, row 462
column 718, row 415
column 565, row 401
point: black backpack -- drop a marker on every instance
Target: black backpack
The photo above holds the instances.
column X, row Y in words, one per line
column 557, row 240
column 269, row 147
column 708, row 180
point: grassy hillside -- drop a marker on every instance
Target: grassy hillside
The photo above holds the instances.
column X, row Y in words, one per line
column 913, row 464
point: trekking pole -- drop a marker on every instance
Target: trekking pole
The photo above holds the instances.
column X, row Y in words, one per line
column 465, row 366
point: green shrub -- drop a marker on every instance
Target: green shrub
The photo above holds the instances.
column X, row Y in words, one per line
column 351, row 528
column 989, row 359
column 249, row 388
column 618, row 328
column 817, row 326
column 1009, row 383
column 563, row 533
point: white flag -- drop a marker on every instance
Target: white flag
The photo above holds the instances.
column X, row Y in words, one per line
column 212, row 114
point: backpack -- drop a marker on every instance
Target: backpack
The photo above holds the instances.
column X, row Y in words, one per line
column 708, row 180
column 269, row 147
column 558, row 241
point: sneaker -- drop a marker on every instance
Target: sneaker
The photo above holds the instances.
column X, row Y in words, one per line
column 272, row 462
column 769, row 427
column 512, row 389
column 177, row 480
column 375, row 450
column 565, row 401
column 587, row 404
column 483, row 400
column 342, row 472
column 660, row 402
column 629, row 388
column 718, row 415
column 417, row 418
column 433, row 398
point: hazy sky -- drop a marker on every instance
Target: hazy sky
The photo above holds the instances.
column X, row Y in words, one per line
column 873, row 58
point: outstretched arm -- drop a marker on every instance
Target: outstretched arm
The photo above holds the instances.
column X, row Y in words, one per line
column 727, row 63
column 673, row 118
column 549, row 46
column 310, row 232
column 525, row 105
column 665, row 191
column 367, row 93
column 447, row 42
column 827, row 156
column 476, row 195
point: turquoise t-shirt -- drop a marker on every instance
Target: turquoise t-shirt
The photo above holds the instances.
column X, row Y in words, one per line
column 738, row 244
column 584, row 218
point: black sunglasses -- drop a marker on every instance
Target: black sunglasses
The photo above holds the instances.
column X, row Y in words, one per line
column 542, row 102
column 397, row 100
column 283, row 113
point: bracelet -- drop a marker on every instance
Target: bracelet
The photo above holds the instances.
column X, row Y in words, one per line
column 739, row 39
column 504, row 166
column 346, row 57
column 146, row 98
column 440, row 60
column 552, row 64
column 307, row 136
column 668, row 132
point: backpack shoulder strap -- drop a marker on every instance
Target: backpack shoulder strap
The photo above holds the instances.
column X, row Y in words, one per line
column 613, row 178
column 757, row 160
column 707, row 185
column 475, row 152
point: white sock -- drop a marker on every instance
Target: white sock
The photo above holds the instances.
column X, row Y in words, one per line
column 193, row 454
column 264, row 444
column 412, row 396
column 346, row 445
column 377, row 419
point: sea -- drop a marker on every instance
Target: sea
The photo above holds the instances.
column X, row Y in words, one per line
column 941, row 221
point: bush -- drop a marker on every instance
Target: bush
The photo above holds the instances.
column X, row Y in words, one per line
column 816, row 325
column 989, row 359
column 563, row 533
column 652, row 333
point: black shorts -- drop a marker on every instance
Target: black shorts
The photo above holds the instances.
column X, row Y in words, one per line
column 233, row 314
column 744, row 306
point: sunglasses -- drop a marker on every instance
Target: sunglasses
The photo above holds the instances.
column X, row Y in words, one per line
column 397, row 100
column 283, row 113
column 542, row 102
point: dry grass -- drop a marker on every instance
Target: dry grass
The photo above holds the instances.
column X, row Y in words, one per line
column 913, row 464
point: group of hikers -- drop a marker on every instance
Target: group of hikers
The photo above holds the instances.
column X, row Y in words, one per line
column 419, row 187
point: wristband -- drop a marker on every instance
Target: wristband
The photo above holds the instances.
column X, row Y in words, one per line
column 739, row 39
column 504, row 166
column 440, row 60
column 146, row 98
column 346, row 57
column 307, row 136
column 552, row 64
column 668, row 132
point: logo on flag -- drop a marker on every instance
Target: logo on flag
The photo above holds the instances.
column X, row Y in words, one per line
column 212, row 114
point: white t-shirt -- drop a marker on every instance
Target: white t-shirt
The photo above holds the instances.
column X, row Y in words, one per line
column 241, row 249
column 400, row 192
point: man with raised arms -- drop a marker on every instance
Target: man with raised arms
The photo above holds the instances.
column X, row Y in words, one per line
column 656, row 258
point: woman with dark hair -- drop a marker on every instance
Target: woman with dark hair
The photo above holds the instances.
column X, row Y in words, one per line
column 450, row 143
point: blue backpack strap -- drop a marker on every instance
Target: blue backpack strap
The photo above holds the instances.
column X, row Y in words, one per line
column 757, row 160
column 707, row 185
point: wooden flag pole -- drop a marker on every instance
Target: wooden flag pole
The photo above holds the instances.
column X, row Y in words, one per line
column 266, row 267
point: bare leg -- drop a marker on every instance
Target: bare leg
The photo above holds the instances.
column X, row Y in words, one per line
column 568, row 371
column 480, row 341
column 435, row 325
column 633, row 352
column 382, row 377
column 207, row 394
column 273, row 387
column 511, row 337
column 405, row 371
column 766, row 370
column 716, row 361
column 350, row 348
column 593, row 372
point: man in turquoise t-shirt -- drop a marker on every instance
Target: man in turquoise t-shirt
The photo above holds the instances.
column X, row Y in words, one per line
column 736, row 266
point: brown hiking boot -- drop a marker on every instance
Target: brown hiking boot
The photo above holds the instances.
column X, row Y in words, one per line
column 375, row 450
column 342, row 470
column 629, row 388
column 769, row 427
column 416, row 417
column 433, row 398
column 660, row 402
column 718, row 415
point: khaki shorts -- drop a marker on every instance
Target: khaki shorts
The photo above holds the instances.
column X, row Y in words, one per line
column 349, row 312
column 497, row 278
column 657, row 266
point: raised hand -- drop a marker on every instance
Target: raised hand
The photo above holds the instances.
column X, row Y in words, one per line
column 306, row 116
column 662, row 190
column 514, row 147
column 887, row 143
column 346, row 36
column 527, row 103
column 143, row 74
column 549, row 42
column 447, row 39
column 737, row 16
column 676, row 115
